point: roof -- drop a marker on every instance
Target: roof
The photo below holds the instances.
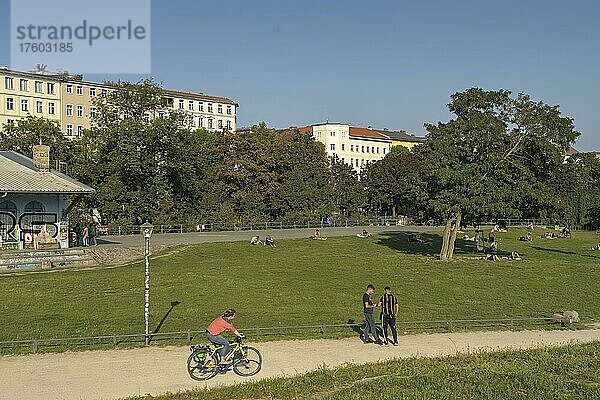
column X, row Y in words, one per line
column 18, row 175
column 199, row 96
column 366, row 133
column 401, row 136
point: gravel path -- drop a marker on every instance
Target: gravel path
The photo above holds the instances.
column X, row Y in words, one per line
column 113, row 374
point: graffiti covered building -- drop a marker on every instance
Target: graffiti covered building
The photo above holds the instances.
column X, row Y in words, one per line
column 34, row 200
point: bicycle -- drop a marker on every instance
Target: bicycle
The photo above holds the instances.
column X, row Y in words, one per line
column 204, row 362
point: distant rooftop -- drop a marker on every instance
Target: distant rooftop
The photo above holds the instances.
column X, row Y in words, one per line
column 19, row 175
column 199, row 96
column 401, row 136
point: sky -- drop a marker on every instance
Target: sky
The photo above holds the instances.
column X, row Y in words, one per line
column 388, row 64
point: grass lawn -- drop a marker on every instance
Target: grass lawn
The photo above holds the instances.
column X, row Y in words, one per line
column 569, row 372
column 306, row 282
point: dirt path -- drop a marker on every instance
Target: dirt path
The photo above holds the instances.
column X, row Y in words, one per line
column 113, row 374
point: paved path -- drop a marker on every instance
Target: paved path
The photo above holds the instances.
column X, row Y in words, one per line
column 170, row 239
column 118, row 373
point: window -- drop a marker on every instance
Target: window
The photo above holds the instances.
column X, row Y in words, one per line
column 220, row 109
column 367, row 149
column 92, row 92
column 9, row 83
column 201, row 121
column 10, row 121
column 39, row 107
column 34, row 207
column 352, row 161
column 343, row 159
column 191, row 105
column 343, row 147
column 228, row 110
column 70, row 89
column 50, row 88
column 70, row 129
column 229, row 125
column 200, row 106
column 80, row 111
column 79, row 130
column 332, row 134
column 51, row 109
column 384, row 150
column 8, row 207
column 24, row 85
column 80, row 90
column 220, row 124
column 24, row 105
column 210, row 124
column 70, row 110
column 39, row 87
column 10, row 103
column 104, row 92
column 357, row 162
column 378, row 150
column 372, row 149
column 210, row 109
column 92, row 112
column 181, row 104
column 332, row 147
column 362, row 149
column 146, row 117
column 193, row 123
column 351, row 147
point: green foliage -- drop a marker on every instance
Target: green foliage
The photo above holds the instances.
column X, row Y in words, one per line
column 347, row 190
column 27, row 132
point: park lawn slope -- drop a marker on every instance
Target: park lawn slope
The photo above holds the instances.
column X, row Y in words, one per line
column 305, row 282
column 568, row 372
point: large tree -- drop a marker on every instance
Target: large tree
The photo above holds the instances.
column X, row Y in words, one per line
column 495, row 159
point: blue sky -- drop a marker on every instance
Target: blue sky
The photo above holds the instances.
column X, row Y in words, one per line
column 388, row 64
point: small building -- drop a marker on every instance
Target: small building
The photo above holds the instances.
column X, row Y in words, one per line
column 33, row 200
column 401, row 138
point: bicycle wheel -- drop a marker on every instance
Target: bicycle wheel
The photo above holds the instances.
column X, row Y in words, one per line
column 204, row 369
column 247, row 362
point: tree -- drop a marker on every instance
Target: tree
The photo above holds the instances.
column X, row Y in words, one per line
column 394, row 184
column 494, row 159
column 25, row 133
column 347, row 190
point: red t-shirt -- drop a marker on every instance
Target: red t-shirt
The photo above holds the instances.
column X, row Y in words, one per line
column 219, row 325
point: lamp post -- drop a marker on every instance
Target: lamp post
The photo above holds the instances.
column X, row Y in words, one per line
column 146, row 231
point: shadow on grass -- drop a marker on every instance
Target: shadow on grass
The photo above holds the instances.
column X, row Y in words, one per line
column 164, row 318
column 430, row 246
column 553, row 250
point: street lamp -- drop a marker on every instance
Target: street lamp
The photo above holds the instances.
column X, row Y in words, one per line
column 146, row 231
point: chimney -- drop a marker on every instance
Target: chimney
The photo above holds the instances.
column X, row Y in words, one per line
column 370, row 127
column 41, row 157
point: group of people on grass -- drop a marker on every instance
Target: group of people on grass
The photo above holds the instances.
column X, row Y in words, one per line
column 255, row 241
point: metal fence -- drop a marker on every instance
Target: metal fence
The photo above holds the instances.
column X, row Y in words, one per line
column 258, row 332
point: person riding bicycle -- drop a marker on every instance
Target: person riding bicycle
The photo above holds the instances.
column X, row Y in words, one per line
column 218, row 326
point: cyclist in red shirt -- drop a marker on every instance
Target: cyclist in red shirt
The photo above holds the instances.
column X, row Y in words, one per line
column 218, row 326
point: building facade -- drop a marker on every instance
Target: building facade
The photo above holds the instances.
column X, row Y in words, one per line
column 354, row 146
column 401, row 138
column 70, row 102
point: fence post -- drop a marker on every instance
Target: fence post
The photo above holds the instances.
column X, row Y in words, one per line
column 450, row 325
column 180, row 228
column 308, row 224
column 119, row 230
column 35, row 345
column 114, row 338
column 323, row 329
column 257, row 332
column 189, row 334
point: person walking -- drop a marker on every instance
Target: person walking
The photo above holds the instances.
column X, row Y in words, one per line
column 368, row 307
column 389, row 313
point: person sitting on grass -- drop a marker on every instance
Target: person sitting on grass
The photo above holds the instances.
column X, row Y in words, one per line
column 269, row 241
column 363, row 234
column 596, row 247
column 255, row 241
column 515, row 256
column 526, row 238
column 490, row 257
column 317, row 235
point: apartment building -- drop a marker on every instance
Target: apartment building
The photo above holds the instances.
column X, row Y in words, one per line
column 70, row 102
column 356, row 146
column 27, row 93
column 209, row 112
column 401, row 138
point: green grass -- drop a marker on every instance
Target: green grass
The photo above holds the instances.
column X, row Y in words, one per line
column 305, row 282
column 569, row 372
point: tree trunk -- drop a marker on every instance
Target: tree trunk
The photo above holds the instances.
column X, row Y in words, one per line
column 446, row 239
column 457, row 221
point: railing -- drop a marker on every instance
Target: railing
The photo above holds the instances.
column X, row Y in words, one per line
column 251, row 226
column 257, row 332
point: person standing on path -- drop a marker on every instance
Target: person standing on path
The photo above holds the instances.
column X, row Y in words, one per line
column 368, row 307
column 389, row 312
